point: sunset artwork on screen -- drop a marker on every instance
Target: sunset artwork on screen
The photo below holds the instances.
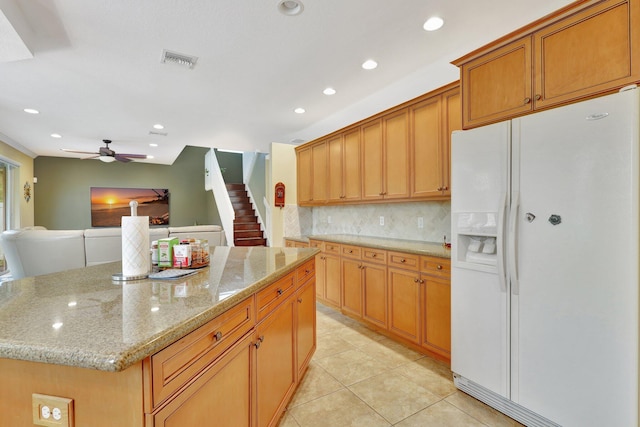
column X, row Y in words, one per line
column 109, row 205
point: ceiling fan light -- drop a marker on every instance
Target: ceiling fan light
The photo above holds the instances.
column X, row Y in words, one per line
column 107, row 159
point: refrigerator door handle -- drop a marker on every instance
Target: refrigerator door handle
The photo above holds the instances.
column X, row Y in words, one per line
column 500, row 240
column 513, row 241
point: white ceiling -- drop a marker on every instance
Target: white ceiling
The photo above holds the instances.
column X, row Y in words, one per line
column 96, row 71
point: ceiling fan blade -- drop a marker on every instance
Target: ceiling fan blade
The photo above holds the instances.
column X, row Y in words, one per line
column 122, row 159
column 79, row 152
column 133, row 156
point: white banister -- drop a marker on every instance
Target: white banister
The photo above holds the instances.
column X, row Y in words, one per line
column 214, row 180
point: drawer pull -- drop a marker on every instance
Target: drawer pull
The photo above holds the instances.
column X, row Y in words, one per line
column 217, row 336
column 439, row 267
column 374, row 255
column 527, row 100
column 307, row 271
column 259, row 342
column 279, row 291
column 350, row 251
column 403, row 260
column 416, row 280
column 300, row 300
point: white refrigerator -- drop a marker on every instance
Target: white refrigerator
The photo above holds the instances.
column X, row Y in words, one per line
column 545, row 264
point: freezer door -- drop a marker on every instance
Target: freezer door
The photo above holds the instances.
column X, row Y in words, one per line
column 575, row 309
column 479, row 299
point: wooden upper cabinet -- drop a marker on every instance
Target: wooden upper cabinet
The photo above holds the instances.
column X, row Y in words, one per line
column 426, row 135
column 586, row 49
column 587, row 53
column 304, row 163
column 345, row 183
column 372, row 160
column 452, row 108
column 319, row 173
column 497, row 85
column 395, row 138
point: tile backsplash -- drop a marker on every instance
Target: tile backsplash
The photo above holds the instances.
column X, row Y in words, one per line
column 425, row 221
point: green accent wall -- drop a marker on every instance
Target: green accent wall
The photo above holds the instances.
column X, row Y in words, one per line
column 62, row 196
column 231, row 165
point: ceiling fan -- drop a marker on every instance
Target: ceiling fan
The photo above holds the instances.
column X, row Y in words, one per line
column 107, row 155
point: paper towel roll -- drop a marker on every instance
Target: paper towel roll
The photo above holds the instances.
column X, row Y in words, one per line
column 135, row 246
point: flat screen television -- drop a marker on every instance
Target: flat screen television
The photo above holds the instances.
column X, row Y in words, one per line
column 109, row 205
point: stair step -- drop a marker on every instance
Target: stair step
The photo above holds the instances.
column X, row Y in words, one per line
column 235, row 186
column 250, row 242
column 244, row 219
column 239, row 199
column 243, row 234
column 241, row 205
column 246, row 226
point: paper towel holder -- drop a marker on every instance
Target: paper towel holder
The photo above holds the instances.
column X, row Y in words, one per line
column 120, row 277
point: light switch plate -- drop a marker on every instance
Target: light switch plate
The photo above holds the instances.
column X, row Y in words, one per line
column 52, row 411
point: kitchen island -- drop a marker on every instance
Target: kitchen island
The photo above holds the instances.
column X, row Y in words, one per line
column 229, row 343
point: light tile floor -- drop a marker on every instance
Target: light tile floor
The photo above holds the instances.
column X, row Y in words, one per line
column 359, row 378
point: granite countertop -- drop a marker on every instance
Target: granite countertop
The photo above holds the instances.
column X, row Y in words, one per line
column 409, row 246
column 83, row 318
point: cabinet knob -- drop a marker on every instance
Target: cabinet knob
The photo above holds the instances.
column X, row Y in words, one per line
column 300, row 300
column 421, row 280
column 439, row 188
column 350, row 251
column 307, row 271
column 279, row 291
column 373, row 255
column 538, row 97
column 439, row 267
column 527, row 100
column 260, row 339
column 445, row 188
column 217, row 336
column 416, row 280
column 403, row 260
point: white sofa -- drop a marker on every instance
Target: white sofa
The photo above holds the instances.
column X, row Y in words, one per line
column 33, row 251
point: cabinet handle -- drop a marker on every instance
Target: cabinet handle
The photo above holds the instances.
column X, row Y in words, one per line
column 527, row 100
column 416, row 280
column 260, row 339
column 279, row 291
column 373, row 255
column 445, row 188
column 350, row 251
column 538, row 97
column 421, row 280
column 439, row 267
column 307, row 271
column 300, row 300
column 403, row 260
column 217, row 336
column 439, row 188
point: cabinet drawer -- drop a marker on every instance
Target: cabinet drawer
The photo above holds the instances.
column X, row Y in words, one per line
column 404, row 260
column 332, row 248
column 374, row 255
column 435, row 266
column 306, row 271
column 289, row 244
column 316, row 244
column 268, row 298
column 351, row 251
column 174, row 366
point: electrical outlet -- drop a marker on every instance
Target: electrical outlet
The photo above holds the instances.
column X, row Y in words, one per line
column 381, row 220
column 420, row 222
column 52, row 411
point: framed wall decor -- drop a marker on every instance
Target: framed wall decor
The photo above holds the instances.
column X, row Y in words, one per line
column 109, row 205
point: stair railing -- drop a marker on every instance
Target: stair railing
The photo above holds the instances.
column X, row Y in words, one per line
column 214, row 181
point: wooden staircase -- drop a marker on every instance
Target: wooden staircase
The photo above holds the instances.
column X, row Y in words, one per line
column 246, row 229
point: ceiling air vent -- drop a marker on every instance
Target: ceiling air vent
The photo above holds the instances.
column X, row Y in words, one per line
column 153, row 132
column 178, row 58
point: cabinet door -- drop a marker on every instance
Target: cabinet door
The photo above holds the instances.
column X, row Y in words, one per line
column 332, row 279
column 305, row 324
column 426, row 134
column 352, row 287
column 304, row 165
column 396, row 155
column 452, row 121
column 437, row 315
column 352, row 171
column 321, row 276
column 222, row 393
column 336, row 188
column 275, row 367
column 374, row 282
column 319, row 173
column 497, row 85
column 587, row 53
column 404, row 304
column 372, row 160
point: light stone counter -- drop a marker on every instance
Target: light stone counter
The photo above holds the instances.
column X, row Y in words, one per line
column 84, row 319
column 410, row 246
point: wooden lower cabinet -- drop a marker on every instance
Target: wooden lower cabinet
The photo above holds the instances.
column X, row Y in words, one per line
column 436, row 319
column 220, row 396
column 305, row 325
column 404, row 304
column 352, row 286
column 276, row 371
column 374, row 289
column 328, row 279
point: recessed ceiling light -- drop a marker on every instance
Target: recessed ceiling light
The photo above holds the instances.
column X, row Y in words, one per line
column 433, row 23
column 149, row 157
column 329, row 91
column 153, row 145
column 56, row 135
column 299, row 110
column 290, row 7
column 369, row 64
column 31, row 111
column 158, row 126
